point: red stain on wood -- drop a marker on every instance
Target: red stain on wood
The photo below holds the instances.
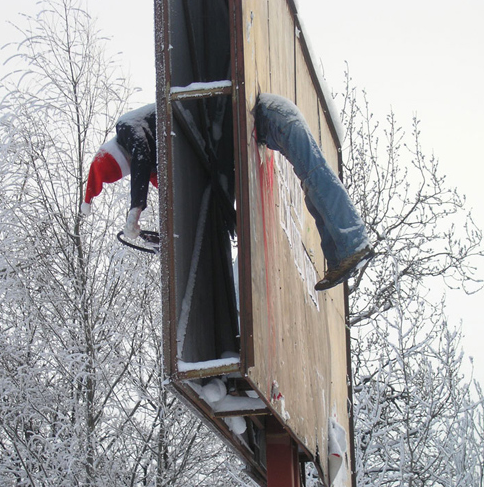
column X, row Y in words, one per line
column 266, row 188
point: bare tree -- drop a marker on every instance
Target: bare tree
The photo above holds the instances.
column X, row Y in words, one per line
column 81, row 383
column 74, row 316
column 413, row 410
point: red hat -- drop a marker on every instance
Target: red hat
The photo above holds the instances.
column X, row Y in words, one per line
column 109, row 165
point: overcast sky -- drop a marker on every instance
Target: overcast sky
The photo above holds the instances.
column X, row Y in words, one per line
column 423, row 58
column 419, row 57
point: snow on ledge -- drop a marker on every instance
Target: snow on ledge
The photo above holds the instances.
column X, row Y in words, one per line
column 208, row 364
column 239, row 404
column 199, row 86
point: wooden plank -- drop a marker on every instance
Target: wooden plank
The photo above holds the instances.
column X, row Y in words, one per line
column 308, row 103
column 255, row 15
column 328, row 145
column 165, row 182
column 299, row 335
column 212, row 368
column 240, row 137
column 298, row 363
column 306, row 95
column 293, row 344
column 282, row 37
column 241, row 412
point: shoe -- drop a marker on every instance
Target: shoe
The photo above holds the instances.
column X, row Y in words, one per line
column 346, row 269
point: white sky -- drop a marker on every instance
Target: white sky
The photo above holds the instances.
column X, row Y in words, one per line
column 420, row 57
column 423, row 58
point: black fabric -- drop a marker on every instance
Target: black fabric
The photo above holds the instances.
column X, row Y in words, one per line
column 138, row 138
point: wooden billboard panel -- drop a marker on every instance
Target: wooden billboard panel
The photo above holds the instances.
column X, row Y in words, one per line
column 267, row 338
column 255, row 48
column 299, row 335
column 281, row 48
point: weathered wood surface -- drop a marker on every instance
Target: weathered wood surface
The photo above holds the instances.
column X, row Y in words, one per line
column 299, row 335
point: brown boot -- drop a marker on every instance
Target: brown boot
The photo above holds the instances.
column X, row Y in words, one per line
column 345, row 269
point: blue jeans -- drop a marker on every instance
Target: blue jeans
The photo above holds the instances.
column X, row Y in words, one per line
column 281, row 126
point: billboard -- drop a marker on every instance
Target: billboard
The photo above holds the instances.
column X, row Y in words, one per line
column 247, row 338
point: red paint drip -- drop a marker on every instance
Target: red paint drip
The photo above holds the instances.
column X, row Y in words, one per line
column 266, row 188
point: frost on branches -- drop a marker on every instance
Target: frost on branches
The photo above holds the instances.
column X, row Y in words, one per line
column 81, row 385
column 417, row 421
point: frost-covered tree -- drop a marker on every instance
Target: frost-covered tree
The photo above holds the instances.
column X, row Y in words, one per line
column 82, row 399
column 72, row 320
column 414, row 413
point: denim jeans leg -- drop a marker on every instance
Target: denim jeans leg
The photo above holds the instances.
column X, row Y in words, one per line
column 327, row 243
column 285, row 130
column 340, row 217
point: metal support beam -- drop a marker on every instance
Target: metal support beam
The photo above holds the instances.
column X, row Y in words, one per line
column 282, row 456
column 197, row 91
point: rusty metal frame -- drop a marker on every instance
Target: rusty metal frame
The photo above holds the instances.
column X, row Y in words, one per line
column 165, row 181
column 167, row 100
column 242, row 186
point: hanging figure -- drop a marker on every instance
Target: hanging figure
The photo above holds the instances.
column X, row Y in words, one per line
column 344, row 240
column 131, row 151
